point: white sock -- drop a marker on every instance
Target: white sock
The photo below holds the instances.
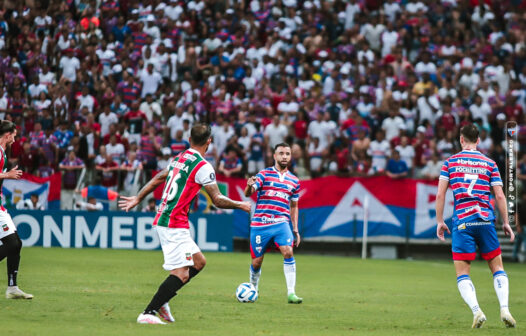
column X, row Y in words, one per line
column 502, row 287
column 254, row 276
column 467, row 291
column 289, row 268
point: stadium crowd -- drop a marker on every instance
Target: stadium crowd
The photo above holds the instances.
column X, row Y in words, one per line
column 358, row 87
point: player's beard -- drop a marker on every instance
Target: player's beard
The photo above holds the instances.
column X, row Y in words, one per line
column 283, row 165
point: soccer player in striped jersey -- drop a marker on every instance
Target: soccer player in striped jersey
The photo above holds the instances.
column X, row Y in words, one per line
column 471, row 176
column 276, row 209
column 11, row 243
column 183, row 178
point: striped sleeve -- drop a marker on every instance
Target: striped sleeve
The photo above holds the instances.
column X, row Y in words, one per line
column 296, row 193
column 495, row 179
column 444, row 172
column 260, row 178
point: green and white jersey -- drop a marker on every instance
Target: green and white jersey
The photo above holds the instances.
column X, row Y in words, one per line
column 187, row 173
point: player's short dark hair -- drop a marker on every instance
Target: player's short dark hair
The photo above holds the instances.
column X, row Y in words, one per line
column 470, row 133
column 200, row 134
column 282, row 144
column 7, row 126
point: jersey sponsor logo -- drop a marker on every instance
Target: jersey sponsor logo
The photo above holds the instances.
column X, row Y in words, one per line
column 470, row 170
column 190, row 157
column 273, row 193
column 472, row 163
column 475, row 207
column 212, row 177
column 273, row 219
column 461, row 227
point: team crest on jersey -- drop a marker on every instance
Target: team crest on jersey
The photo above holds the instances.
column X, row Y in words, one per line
column 512, row 131
column 5, row 227
column 189, row 256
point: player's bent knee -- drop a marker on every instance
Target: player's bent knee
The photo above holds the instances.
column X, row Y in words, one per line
column 181, row 273
column 286, row 251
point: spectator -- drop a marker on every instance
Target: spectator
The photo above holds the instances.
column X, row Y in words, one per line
column 433, row 167
column 91, row 205
column 396, row 167
column 130, row 166
column 109, row 172
column 151, row 207
column 71, row 166
column 30, row 204
column 178, row 144
column 406, row 151
column 231, row 164
column 379, row 150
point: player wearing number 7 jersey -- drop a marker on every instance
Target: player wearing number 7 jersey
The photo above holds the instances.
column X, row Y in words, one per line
column 183, row 178
column 471, row 176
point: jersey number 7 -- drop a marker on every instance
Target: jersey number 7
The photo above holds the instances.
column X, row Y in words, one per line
column 473, row 179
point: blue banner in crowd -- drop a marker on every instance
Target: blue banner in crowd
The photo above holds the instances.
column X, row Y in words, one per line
column 118, row 230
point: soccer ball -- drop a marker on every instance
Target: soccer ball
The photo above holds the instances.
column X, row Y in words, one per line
column 246, row 292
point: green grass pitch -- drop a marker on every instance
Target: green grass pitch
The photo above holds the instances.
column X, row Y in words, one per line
column 101, row 292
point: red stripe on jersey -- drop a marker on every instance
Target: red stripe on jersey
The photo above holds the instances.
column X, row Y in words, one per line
column 179, row 215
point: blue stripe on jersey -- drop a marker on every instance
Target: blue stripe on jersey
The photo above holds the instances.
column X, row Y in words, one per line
column 274, row 194
column 470, row 175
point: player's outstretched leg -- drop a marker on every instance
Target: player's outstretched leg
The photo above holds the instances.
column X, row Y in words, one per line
column 501, row 284
column 11, row 247
column 468, row 293
column 167, row 290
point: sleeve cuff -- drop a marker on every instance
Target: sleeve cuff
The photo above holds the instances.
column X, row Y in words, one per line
column 496, row 184
column 443, row 178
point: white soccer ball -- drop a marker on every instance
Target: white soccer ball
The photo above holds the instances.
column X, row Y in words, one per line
column 246, row 292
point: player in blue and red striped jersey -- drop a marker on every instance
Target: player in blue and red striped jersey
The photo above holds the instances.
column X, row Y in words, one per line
column 276, row 209
column 471, row 176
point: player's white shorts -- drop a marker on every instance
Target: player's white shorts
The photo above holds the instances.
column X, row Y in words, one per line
column 178, row 247
column 7, row 226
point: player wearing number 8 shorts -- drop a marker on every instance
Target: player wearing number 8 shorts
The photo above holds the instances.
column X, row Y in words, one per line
column 471, row 176
column 183, row 179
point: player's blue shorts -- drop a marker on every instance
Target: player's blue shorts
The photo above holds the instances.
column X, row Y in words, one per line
column 261, row 238
column 467, row 236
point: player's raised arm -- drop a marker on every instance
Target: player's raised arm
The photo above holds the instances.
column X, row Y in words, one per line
column 128, row 203
column 500, row 198
column 249, row 189
column 223, row 202
column 439, row 204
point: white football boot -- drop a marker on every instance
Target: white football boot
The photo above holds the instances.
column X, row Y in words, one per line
column 478, row 320
column 165, row 313
column 149, row 319
column 13, row 292
column 506, row 317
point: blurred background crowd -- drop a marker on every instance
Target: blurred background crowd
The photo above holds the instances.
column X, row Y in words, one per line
column 358, row 87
